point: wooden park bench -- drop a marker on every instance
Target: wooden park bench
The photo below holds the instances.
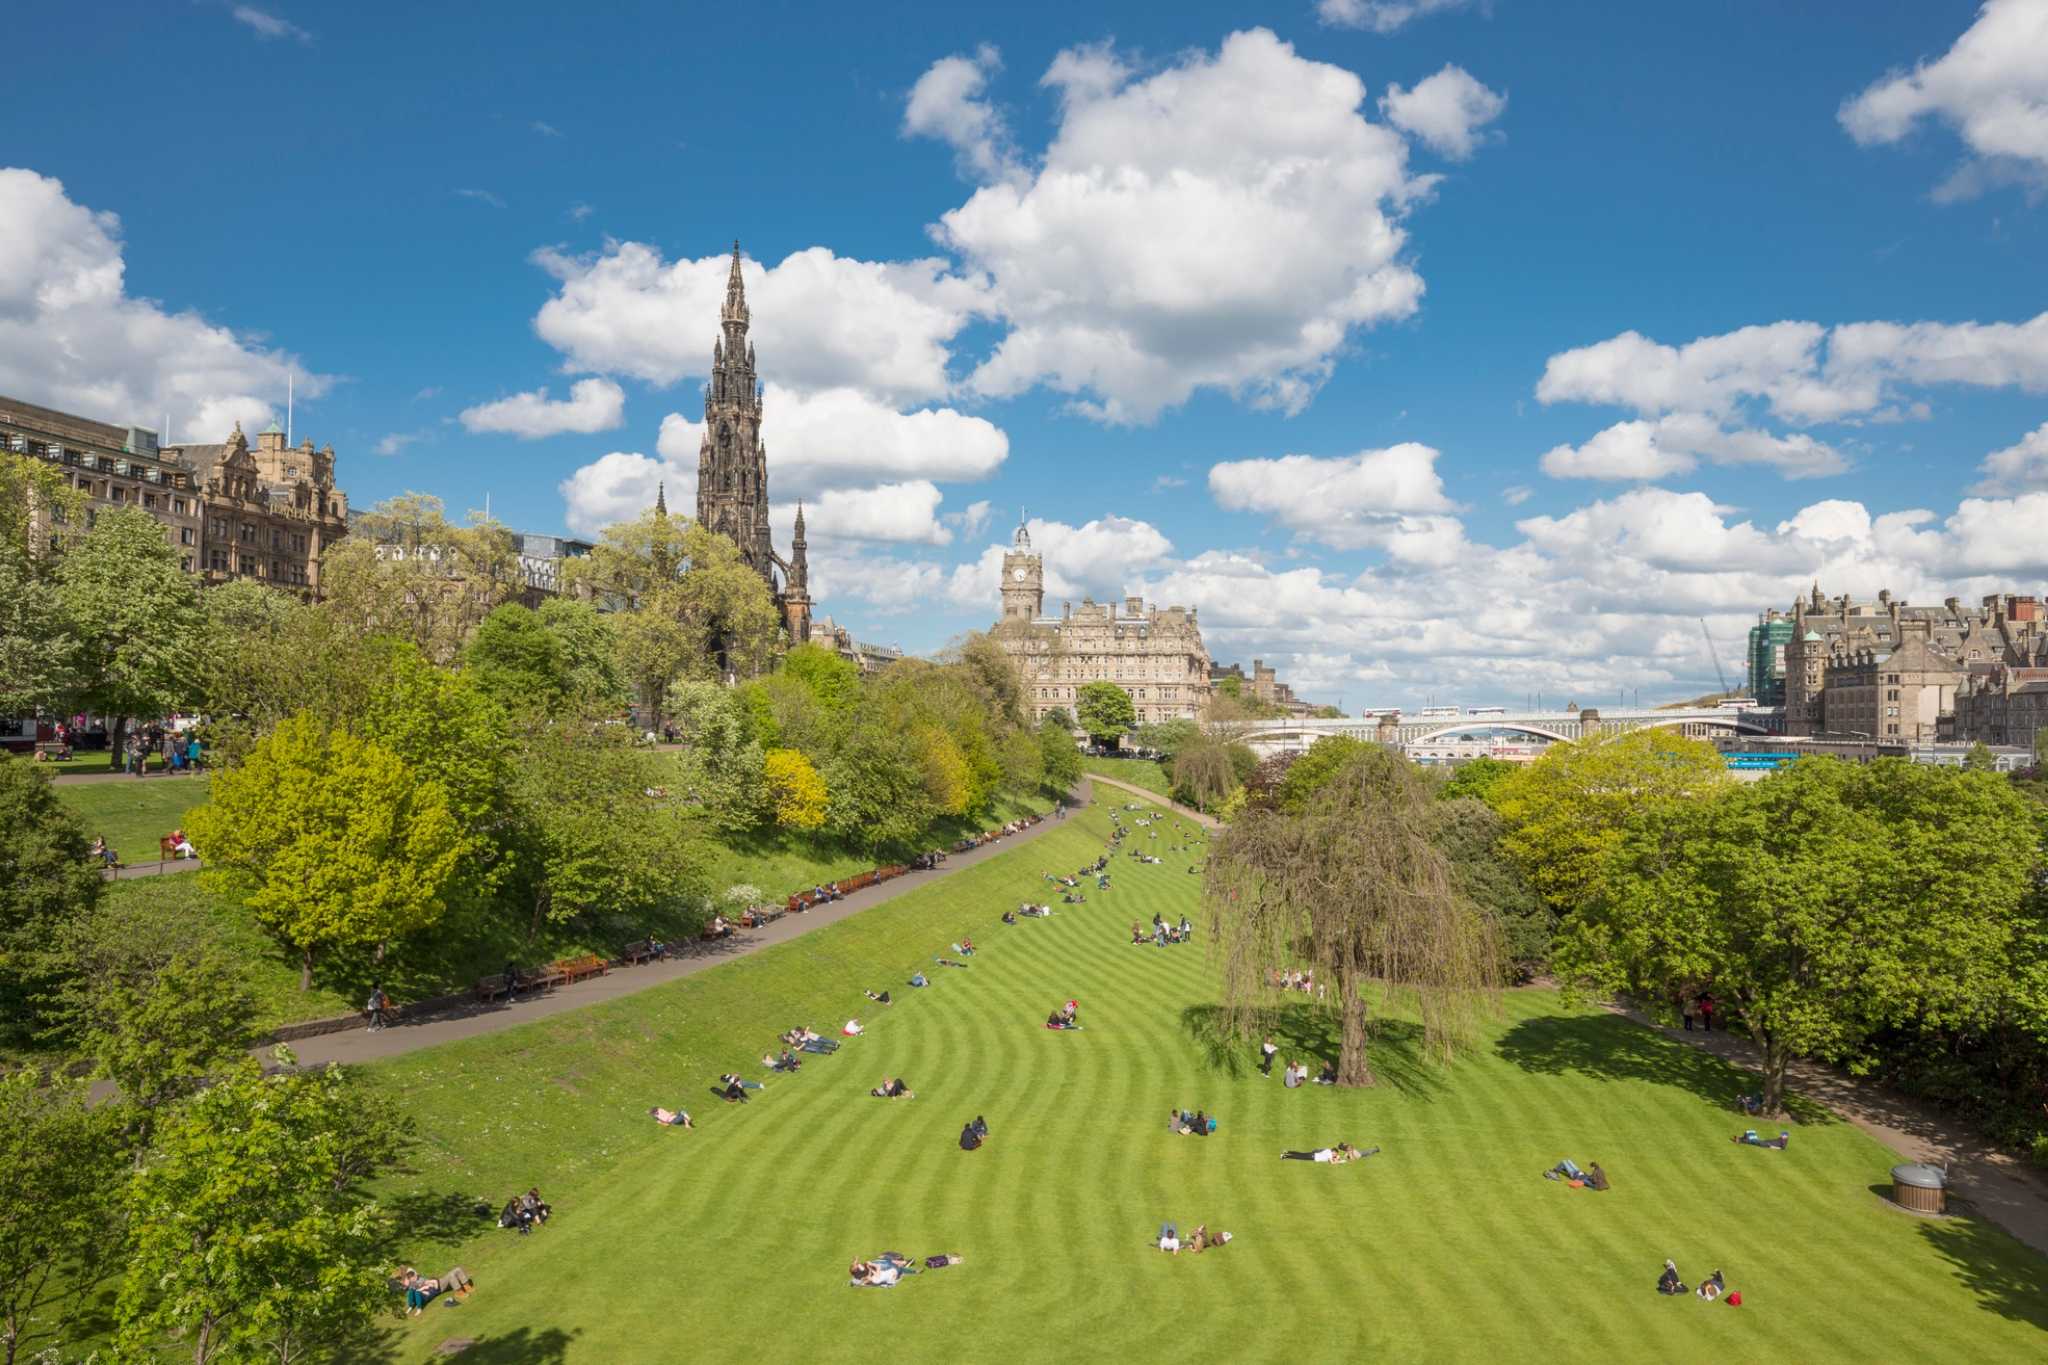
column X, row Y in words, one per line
column 643, row 951
column 573, row 969
column 491, row 987
column 52, row 751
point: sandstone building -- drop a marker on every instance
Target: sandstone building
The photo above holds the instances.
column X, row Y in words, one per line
column 732, row 464
column 230, row 511
column 1155, row 655
column 1899, row 673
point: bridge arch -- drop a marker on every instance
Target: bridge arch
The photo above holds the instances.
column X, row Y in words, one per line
column 1716, row 722
column 1519, row 727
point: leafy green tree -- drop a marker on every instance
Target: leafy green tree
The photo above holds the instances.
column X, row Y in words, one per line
column 589, row 651
column 590, row 836
column 1830, row 901
column 249, row 1233
column 47, row 880
column 1474, row 777
column 1060, row 716
column 1469, row 833
column 1356, row 886
column 1061, row 760
column 877, row 778
column 691, row 608
column 245, row 653
column 1566, row 811
column 332, row 840
column 38, row 649
column 795, row 790
column 1202, row 775
column 136, row 616
column 759, row 705
column 518, row 662
column 833, row 682
column 993, row 675
column 2041, row 750
column 1980, row 759
column 1312, row 771
column 1106, row 711
column 150, row 996
column 40, row 513
column 61, row 1167
column 406, row 571
column 721, row 762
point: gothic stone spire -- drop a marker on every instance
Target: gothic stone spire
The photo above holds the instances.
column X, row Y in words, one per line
column 661, row 499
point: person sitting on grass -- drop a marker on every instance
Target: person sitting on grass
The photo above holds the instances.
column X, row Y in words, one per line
column 1057, row 1020
column 853, row 1028
column 670, row 1118
column 892, row 1088
column 735, row 1087
column 918, row 980
column 1713, row 1287
column 881, row 999
column 1137, row 934
column 1009, row 916
column 1072, row 898
column 970, row 1137
column 515, row 1217
column 1328, row 1075
column 965, row 947
column 1177, row 1122
column 536, row 1208
column 1668, row 1282
column 1596, row 1179
column 1294, row 1075
column 419, row 1290
column 1169, row 1238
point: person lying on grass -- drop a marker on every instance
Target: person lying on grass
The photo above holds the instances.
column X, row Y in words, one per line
column 1749, row 1139
column 892, row 1088
column 1335, row 1155
column 419, row 1290
column 786, row 1062
column 948, row 962
column 670, row 1118
column 1712, row 1287
column 1071, row 898
column 881, row 999
column 1205, row 1240
column 1668, row 1282
column 810, row 1042
column 1593, row 1178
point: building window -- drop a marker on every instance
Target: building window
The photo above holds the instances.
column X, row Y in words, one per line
column 184, row 535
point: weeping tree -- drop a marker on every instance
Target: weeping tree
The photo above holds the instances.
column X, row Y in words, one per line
column 1355, row 886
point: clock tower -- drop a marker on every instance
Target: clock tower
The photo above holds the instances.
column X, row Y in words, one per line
column 1023, row 580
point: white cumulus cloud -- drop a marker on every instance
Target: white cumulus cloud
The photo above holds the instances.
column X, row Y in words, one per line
column 819, row 320
column 949, row 102
column 1676, row 444
column 592, row 405
column 1991, row 87
column 1389, row 499
column 73, row 338
column 2019, row 468
column 1447, row 112
column 1380, row 16
column 1226, row 222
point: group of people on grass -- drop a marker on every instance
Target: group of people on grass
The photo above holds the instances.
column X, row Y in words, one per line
column 1202, row 1240
column 890, row 1267
column 525, row 1212
column 1162, row 933
column 1067, row 1016
column 1197, row 1124
column 1711, row 1288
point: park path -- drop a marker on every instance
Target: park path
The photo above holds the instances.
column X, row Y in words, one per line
column 361, row 1045
column 1208, row 822
column 1993, row 1183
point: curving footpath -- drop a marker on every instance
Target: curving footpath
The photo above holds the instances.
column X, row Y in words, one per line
column 1995, row 1184
column 1208, row 822
column 403, row 1036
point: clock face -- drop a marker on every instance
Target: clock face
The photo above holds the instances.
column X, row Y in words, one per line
column 1018, row 573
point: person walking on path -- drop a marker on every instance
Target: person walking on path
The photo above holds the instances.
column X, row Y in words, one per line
column 375, row 1007
column 1266, row 1050
column 1706, row 1003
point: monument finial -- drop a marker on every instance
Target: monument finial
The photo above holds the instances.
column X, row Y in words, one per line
column 661, row 499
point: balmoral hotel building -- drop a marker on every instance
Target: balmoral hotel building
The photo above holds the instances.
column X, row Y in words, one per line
column 231, row 511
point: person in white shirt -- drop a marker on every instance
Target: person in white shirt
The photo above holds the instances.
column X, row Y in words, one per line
column 1169, row 1237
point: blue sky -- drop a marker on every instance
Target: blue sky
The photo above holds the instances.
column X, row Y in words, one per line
column 1430, row 349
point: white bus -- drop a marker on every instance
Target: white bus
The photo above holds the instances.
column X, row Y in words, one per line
column 1486, row 710
column 1737, row 704
column 1438, row 712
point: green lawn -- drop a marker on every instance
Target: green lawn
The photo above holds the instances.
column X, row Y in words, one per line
column 1139, row 772
column 133, row 813
column 731, row 1241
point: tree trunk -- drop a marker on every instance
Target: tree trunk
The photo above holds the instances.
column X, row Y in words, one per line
column 114, row 750
column 540, row 900
column 306, row 969
column 1352, row 1067
column 1775, row 1058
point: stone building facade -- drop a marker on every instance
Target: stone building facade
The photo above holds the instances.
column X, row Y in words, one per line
column 231, row 511
column 1262, row 685
column 271, row 509
column 1154, row 654
column 732, row 464
column 113, row 466
column 1895, row 672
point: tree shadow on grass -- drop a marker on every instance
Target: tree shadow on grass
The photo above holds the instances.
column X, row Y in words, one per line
column 438, row 1218
column 1611, row 1049
column 1394, row 1048
column 2008, row 1280
column 526, row 1346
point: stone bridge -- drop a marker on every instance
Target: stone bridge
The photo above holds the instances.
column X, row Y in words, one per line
column 1537, row 727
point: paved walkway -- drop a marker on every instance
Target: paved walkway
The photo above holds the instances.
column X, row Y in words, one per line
column 153, row 868
column 1209, row 822
column 99, row 774
column 1999, row 1186
column 361, row 1045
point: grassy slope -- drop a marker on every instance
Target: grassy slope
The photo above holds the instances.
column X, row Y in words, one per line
column 450, row 959
column 1447, row 1246
column 1140, row 772
column 133, row 813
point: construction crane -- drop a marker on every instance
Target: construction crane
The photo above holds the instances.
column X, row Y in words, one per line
column 1715, row 655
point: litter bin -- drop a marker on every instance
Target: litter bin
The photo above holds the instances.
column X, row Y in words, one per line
column 1923, row 1189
